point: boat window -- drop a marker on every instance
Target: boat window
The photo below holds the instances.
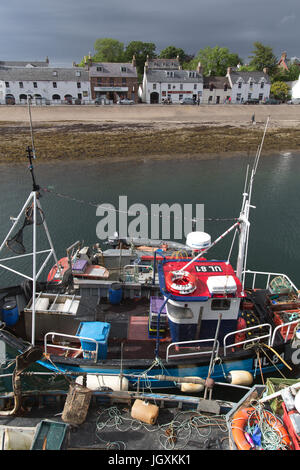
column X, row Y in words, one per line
column 220, row 304
column 179, row 312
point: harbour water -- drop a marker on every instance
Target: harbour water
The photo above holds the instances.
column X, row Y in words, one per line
column 217, row 183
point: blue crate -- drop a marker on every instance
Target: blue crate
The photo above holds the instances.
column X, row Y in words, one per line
column 98, row 331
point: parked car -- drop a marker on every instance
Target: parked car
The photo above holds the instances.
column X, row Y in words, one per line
column 272, row 101
column 187, row 101
column 294, row 101
column 252, row 101
column 125, row 101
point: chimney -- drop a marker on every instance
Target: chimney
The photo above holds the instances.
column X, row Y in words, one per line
column 265, row 70
column 146, row 65
column 133, row 61
column 199, row 68
column 228, row 70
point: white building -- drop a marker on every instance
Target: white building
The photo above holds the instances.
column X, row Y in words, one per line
column 295, row 88
column 248, row 85
column 216, row 90
column 43, row 83
column 169, row 83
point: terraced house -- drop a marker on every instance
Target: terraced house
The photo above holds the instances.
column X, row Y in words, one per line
column 165, row 80
column 248, row 85
column 43, row 84
column 113, row 81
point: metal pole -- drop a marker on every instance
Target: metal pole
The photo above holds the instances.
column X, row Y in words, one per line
column 33, row 270
column 212, row 354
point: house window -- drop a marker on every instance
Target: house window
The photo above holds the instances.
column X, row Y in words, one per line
column 7, row 84
column 238, row 97
column 261, row 96
column 262, row 84
column 21, row 85
column 225, row 87
column 180, row 97
column 78, row 74
column 78, row 85
column 123, row 81
column 123, row 69
column 54, row 85
column 154, row 86
column 169, row 86
column 99, row 69
column 251, row 84
column 195, row 86
column 249, row 96
column 210, row 98
column 240, row 85
column 35, row 85
column 181, row 86
column 220, row 304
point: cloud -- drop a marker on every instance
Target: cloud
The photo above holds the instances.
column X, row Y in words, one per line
column 288, row 19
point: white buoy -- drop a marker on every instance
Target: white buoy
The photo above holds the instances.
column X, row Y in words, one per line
column 191, row 388
column 96, row 382
column 240, row 377
column 198, row 240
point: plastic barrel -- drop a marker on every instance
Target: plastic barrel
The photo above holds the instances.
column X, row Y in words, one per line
column 10, row 312
column 115, row 293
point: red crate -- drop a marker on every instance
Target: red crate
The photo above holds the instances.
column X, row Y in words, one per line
column 279, row 320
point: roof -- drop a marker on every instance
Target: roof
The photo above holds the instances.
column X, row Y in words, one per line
column 255, row 75
column 217, row 82
column 163, row 63
column 182, row 76
column 18, row 63
column 43, row 74
column 207, row 275
column 113, row 69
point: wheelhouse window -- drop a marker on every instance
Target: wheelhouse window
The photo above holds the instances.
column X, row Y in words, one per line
column 220, row 304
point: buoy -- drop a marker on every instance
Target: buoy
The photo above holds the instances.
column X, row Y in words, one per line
column 239, row 377
column 144, row 411
column 96, row 382
column 191, row 388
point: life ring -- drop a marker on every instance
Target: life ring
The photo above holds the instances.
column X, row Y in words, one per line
column 240, row 420
column 181, row 282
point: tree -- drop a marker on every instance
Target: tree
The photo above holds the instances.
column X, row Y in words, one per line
column 215, row 61
column 263, row 57
column 282, row 75
column 171, row 52
column 140, row 50
column 280, row 90
column 108, row 50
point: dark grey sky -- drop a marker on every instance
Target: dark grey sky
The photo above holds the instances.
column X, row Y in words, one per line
column 65, row 30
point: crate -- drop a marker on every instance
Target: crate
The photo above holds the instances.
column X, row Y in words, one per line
column 274, row 385
column 50, row 435
column 282, row 318
column 98, row 331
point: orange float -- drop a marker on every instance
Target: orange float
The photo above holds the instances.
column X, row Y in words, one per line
column 240, row 419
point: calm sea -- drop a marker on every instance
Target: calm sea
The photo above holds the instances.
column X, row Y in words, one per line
column 217, row 183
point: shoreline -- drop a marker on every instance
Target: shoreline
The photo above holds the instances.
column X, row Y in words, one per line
column 149, row 133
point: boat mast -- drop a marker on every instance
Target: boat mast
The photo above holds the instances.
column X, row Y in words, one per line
column 33, row 202
column 244, row 215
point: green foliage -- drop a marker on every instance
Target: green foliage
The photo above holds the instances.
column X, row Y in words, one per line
column 280, row 90
column 171, row 52
column 263, row 57
column 214, row 61
column 108, row 50
column 140, row 50
column 283, row 75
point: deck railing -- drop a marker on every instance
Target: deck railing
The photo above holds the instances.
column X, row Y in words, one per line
column 269, row 276
column 189, row 344
column 67, row 347
column 266, row 337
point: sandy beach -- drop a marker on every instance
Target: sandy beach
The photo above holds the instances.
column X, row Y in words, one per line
column 116, row 133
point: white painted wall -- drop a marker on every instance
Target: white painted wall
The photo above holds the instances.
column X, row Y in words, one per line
column 255, row 90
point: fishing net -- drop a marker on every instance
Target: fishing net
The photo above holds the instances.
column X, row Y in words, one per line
column 15, row 243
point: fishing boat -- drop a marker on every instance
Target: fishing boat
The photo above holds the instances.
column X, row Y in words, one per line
column 194, row 319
